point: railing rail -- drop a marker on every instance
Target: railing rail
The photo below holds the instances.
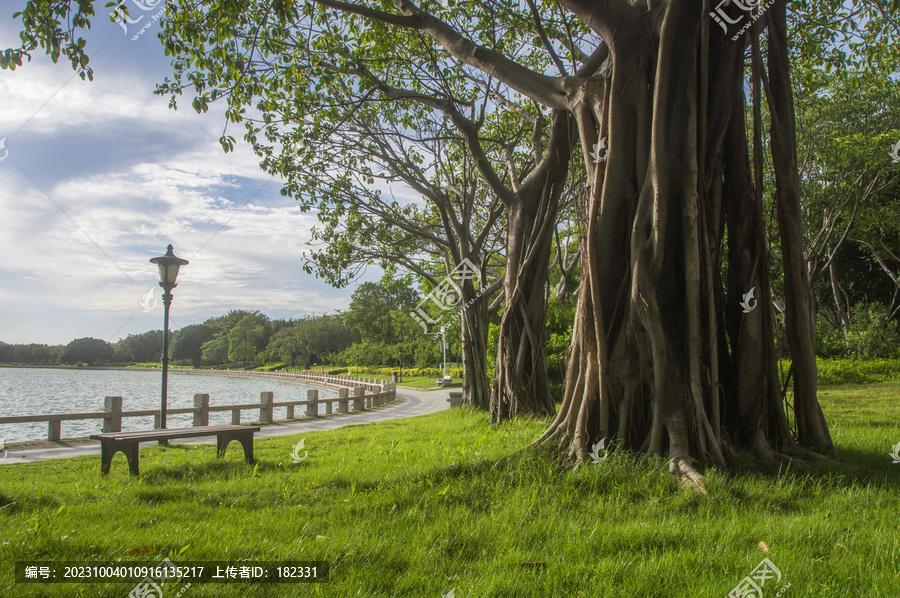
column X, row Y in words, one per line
column 113, row 413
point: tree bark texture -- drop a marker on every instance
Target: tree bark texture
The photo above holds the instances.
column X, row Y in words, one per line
column 667, row 358
column 521, row 385
column 474, row 334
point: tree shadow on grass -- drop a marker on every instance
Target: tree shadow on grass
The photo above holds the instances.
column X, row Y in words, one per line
column 851, row 467
column 196, row 466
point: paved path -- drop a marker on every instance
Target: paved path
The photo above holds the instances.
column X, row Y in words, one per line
column 411, row 402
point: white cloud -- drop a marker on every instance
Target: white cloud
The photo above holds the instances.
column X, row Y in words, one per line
column 125, row 176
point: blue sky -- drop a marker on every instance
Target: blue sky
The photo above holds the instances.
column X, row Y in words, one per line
column 101, row 176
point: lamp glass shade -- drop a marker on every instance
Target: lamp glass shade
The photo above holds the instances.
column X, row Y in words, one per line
column 168, row 267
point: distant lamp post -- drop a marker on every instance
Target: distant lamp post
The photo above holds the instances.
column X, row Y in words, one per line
column 400, row 359
column 168, row 272
column 444, row 348
column 443, row 335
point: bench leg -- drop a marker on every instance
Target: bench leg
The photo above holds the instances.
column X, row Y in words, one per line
column 106, row 455
column 246, row 440
column 131, row 450
column 134, row 456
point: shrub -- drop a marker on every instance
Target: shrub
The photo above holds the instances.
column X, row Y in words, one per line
column 830, row 341
column 411, row 372
column 871, row 335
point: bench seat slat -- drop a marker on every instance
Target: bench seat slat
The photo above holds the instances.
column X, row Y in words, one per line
column 172, row 433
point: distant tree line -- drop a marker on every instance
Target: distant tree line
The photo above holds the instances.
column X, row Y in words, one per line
column 376, row 330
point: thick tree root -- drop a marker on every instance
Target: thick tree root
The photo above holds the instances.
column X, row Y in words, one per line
column 687, row 476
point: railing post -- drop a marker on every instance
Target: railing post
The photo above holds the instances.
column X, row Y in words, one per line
column 266, row 409
column 53, row 428
column 112, row 421
column 376, row 398
column 359, row 398
column 235, row 417
column 312, row 408
column 290, row 412
column 343, row 402
column 201, row 403
column 328, row 407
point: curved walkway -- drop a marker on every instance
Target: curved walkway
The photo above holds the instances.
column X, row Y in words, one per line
column 411, row 402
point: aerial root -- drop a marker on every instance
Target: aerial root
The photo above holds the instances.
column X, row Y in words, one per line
column 687, row 476
column 795, row 450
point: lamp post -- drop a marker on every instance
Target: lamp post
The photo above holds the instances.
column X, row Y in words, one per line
column 434, row 337
column 400, row 359
column 168, row 272
column 444, row 348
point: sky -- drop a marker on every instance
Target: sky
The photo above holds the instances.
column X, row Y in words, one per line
column 98, row 177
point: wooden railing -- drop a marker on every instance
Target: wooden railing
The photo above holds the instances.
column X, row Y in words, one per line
column 112, row 414
column 347, row 381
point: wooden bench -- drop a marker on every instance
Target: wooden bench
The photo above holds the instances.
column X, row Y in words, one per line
column 129, row 442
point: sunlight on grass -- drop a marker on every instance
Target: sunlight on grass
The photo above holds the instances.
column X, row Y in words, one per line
column 421, row 506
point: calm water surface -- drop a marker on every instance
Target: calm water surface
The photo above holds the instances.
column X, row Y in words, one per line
column 29, row 391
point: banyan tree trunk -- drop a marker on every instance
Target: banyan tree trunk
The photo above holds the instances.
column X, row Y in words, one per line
column 664, row 358
column 474, row 333
column 521, row 384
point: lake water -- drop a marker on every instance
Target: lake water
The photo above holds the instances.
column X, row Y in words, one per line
column 30, row 391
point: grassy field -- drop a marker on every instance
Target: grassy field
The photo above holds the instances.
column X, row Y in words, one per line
column 427, row 505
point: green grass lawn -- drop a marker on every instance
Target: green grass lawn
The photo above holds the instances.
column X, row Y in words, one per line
column 427, row 505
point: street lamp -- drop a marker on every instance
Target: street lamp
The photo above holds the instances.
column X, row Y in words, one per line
column 400, row 359
column 443, row 335
column 444, row 348
column 168, row 272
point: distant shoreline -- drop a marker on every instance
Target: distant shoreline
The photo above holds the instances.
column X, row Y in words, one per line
column 295, row 378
